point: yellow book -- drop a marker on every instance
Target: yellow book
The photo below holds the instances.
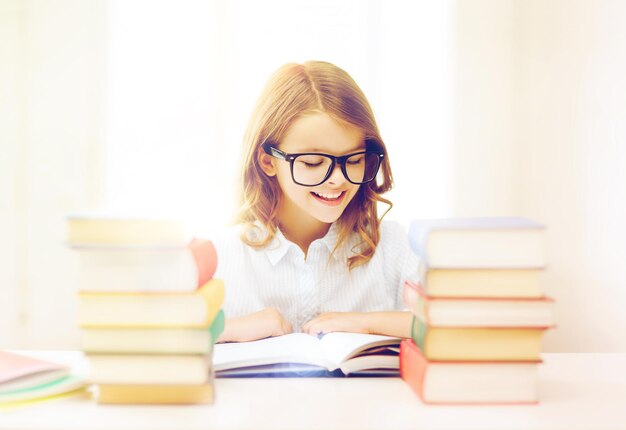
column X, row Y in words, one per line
column 155, row 394
column 83, row 230
column 477, row 344
column 522, row 283
column 118, row 309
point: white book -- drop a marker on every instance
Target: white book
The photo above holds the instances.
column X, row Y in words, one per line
column 146, row 341
column 481, row 382
column 112, row 229
column 498, row 382
column 479, row 243
column 148, row 369
column 147, row 268
column 298, row 353
column 478, row 312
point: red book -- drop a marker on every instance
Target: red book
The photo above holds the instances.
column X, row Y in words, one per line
column 487, row 382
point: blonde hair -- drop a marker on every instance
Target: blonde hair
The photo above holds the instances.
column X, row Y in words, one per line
column 292, row 91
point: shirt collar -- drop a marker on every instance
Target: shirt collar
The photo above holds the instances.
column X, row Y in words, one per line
column 280, row 245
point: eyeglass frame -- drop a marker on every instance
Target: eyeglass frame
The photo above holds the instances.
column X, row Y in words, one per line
column 341, row 161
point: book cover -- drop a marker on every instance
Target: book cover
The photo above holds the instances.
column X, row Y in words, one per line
column 146, row 310
column 478, row 312
column 300, row 354
column 474, row 243
column 487, row 382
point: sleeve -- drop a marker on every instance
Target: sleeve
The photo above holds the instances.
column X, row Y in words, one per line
column 401, row 263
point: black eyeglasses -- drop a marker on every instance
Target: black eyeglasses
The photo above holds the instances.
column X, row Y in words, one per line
column 313, row 168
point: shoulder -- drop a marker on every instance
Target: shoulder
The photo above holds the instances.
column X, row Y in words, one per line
column 228, row 240
column 394, row 243
column 392, row 232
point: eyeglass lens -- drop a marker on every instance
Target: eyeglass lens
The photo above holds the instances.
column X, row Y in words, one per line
column 311, row 169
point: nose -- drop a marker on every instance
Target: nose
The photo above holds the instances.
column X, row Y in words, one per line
column 336, row 176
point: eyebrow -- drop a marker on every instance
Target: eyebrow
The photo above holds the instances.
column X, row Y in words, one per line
column 360, row 147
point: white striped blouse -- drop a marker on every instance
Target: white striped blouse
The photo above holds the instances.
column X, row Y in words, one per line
column 278, row 276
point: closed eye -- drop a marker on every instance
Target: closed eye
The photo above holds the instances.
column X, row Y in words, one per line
column 355, row 161
column 311, row 164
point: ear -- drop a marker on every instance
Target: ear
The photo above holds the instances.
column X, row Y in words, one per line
column 266, row 162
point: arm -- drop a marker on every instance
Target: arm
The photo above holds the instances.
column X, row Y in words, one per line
column 258, row 325
column 392, row 323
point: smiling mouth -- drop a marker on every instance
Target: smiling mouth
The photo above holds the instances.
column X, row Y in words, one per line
column 329, row 198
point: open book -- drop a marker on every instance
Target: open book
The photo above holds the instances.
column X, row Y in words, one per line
column 300, row 354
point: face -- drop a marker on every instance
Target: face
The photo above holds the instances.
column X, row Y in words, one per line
column 316, row 133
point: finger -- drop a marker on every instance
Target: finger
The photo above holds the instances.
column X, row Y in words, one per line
column 306, row 328
column 315, row 328
column 286, row 327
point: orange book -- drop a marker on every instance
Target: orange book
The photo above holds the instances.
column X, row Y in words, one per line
column 487, row 382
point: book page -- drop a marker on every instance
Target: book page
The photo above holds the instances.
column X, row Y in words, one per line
column 291, row 348
column 339, row 347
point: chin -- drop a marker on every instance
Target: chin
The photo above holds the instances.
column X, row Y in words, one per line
column 328, row 219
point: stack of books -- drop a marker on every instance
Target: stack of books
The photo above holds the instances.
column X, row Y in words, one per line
column 479, row 311
column 149, row 309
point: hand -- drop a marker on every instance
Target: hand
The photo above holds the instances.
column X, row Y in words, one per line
column 258, row 325
column 353, row 322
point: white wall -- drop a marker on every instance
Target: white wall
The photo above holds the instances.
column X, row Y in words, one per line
column 572, row 146
column 538, row 129
column 11, row 128
column 485, row 79
column 541, row 132
column 54, row 71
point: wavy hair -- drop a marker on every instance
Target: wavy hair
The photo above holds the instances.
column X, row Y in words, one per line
column 295, row 90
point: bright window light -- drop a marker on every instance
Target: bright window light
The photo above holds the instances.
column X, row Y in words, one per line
column 183, row 77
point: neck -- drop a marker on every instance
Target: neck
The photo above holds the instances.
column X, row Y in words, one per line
column 302, row 230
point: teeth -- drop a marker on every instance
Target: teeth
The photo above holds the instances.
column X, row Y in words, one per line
column 328, row 195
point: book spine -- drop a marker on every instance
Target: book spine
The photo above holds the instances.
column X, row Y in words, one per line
column 205, row 256
column 412, row 366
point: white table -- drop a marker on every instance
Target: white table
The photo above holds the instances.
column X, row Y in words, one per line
column 578, row 391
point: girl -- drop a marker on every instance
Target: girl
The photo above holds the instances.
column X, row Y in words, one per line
column 309, row 252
